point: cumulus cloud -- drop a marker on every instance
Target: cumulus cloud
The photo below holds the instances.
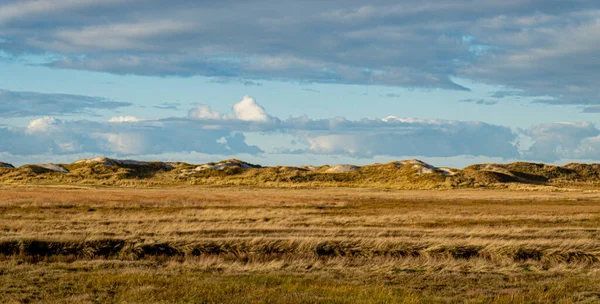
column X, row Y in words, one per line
column 563, row 140
column 401, row 136
column 209, row 132
column 203, row 112
column 246, row 109
column 122, row 143
column 59, row 137
column 23, row 104
column 249, row 110
column 43, row 125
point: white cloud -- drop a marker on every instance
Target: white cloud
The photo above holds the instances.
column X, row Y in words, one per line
column 203, row 112
column 408, row 136
column 249, row 110
column 43, row 125
column 563, row 140
column 412, row 120
column 123, row 143
column 122, row 119
column 208, row 132
column 336, row 144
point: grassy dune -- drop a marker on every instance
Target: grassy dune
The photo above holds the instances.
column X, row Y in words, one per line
column 336, row 245
column 406, row 174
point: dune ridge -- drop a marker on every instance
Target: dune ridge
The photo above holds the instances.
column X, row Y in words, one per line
column 402, row 174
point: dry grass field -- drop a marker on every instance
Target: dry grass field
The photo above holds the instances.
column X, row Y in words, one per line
column 311, row 245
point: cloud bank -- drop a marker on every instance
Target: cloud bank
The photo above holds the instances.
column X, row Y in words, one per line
column 208, row 132
column 546, row 49
column 564, row 140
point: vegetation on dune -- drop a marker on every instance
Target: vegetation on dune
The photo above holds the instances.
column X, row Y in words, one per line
column 411, row 174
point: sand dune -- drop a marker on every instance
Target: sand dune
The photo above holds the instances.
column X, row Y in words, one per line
column 402, row 174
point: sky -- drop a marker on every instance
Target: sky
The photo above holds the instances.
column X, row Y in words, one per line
column 284, row 82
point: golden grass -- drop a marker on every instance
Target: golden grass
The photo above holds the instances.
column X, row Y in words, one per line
column 334, row 245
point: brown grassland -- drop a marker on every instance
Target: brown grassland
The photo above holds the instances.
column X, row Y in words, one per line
column 306, row 245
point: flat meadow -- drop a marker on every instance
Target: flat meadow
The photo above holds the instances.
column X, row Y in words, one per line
column 298, row 245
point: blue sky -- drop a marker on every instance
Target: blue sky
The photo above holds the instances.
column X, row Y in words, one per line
column 300, row 82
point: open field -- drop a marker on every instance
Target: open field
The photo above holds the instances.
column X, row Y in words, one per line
column 335, row 245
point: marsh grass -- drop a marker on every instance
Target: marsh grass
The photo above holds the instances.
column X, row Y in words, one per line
column 337, row 245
